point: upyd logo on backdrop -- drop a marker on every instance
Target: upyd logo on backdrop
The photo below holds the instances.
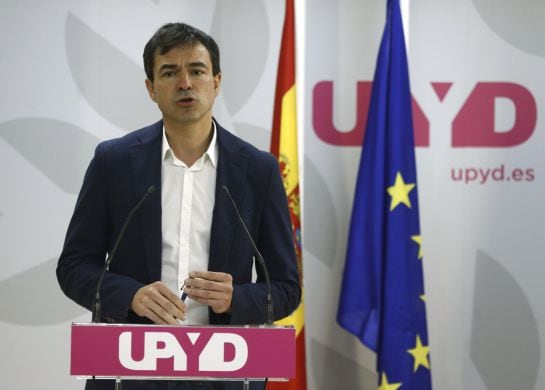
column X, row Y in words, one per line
column 473, row 126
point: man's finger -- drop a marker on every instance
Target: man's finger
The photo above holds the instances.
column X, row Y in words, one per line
column 204, row 293
column 171, row 296
column 211, row 275
column 159, row 304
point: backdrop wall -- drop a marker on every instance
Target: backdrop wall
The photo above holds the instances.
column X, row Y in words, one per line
column 72, row 76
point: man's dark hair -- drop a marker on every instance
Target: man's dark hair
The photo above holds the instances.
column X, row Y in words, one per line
column 173, row 35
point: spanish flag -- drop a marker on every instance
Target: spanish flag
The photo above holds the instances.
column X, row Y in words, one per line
column 284, row 147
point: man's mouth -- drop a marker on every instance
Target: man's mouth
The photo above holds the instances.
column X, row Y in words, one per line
column 185, row 100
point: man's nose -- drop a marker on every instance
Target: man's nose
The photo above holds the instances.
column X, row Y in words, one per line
column 184, row 82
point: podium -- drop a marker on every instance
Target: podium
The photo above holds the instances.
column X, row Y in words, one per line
column 126, row 351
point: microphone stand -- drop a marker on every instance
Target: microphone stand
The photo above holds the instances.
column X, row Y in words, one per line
column 96, row 303
column 258, row 256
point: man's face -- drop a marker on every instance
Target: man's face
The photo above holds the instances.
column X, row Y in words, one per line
column 184, row 87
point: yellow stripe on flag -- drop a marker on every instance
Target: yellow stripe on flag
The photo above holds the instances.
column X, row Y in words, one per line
column 288, row 141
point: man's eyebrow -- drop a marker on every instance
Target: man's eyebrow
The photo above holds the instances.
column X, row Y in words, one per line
column 195, row 64
column 168, row 67
column 198, row 64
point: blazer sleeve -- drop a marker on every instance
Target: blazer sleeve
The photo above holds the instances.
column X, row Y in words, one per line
column 88, row 238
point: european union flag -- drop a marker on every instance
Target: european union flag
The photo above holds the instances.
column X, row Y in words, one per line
column 382, row 297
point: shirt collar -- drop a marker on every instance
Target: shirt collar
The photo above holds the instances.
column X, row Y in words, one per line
column 211, row 152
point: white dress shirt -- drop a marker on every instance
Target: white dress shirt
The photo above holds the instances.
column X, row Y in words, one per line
column 187, row 200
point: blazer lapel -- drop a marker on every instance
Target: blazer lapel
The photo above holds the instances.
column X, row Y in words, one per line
column 146, row 164
column 232, row 165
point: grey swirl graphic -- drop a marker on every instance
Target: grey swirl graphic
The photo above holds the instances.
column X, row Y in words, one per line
column 38, row 300
column 111, row 82
column 505, row 346
column 518, row 22
column 320, row 219
column 61, row 151
column 334, row 371
column 258, row 136
column 244, row 50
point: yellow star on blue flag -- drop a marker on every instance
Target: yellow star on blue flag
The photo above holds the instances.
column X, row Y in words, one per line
column 400, row 192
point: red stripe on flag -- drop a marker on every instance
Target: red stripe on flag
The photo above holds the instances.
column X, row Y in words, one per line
column 285, row 77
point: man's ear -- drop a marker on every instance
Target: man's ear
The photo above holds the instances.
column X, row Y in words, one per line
column 149, row 87
column 217, row 83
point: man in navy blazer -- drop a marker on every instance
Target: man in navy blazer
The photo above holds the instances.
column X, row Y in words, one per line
column 183, row 78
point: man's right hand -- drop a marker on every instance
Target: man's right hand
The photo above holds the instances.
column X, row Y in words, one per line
column 158, row 303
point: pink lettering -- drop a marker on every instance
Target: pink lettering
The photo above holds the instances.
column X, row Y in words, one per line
column 325, row 129
column 474, row 125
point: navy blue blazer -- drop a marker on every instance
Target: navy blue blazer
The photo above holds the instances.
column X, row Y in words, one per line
column 118, row 176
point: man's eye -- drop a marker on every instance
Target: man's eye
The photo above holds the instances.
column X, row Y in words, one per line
column 197, row 72
column 169, row 74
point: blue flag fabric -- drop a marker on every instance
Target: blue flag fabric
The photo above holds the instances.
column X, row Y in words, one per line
column 382, row 298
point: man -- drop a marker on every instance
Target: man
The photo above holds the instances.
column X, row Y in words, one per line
column 186, row 234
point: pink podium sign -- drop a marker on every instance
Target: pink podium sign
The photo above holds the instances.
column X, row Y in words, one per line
column 156, row 351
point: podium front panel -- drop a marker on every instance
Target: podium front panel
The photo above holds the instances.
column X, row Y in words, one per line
column 157, row 351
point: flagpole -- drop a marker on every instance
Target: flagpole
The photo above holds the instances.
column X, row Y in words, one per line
column 405, row 7
column 300, row 50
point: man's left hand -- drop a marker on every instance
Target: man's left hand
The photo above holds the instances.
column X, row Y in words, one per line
column 214, row 289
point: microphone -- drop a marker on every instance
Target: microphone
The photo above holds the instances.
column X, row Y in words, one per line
column 257, row 255
column 96, row 303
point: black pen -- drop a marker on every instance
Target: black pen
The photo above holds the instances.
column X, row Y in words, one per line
column 184, row 294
